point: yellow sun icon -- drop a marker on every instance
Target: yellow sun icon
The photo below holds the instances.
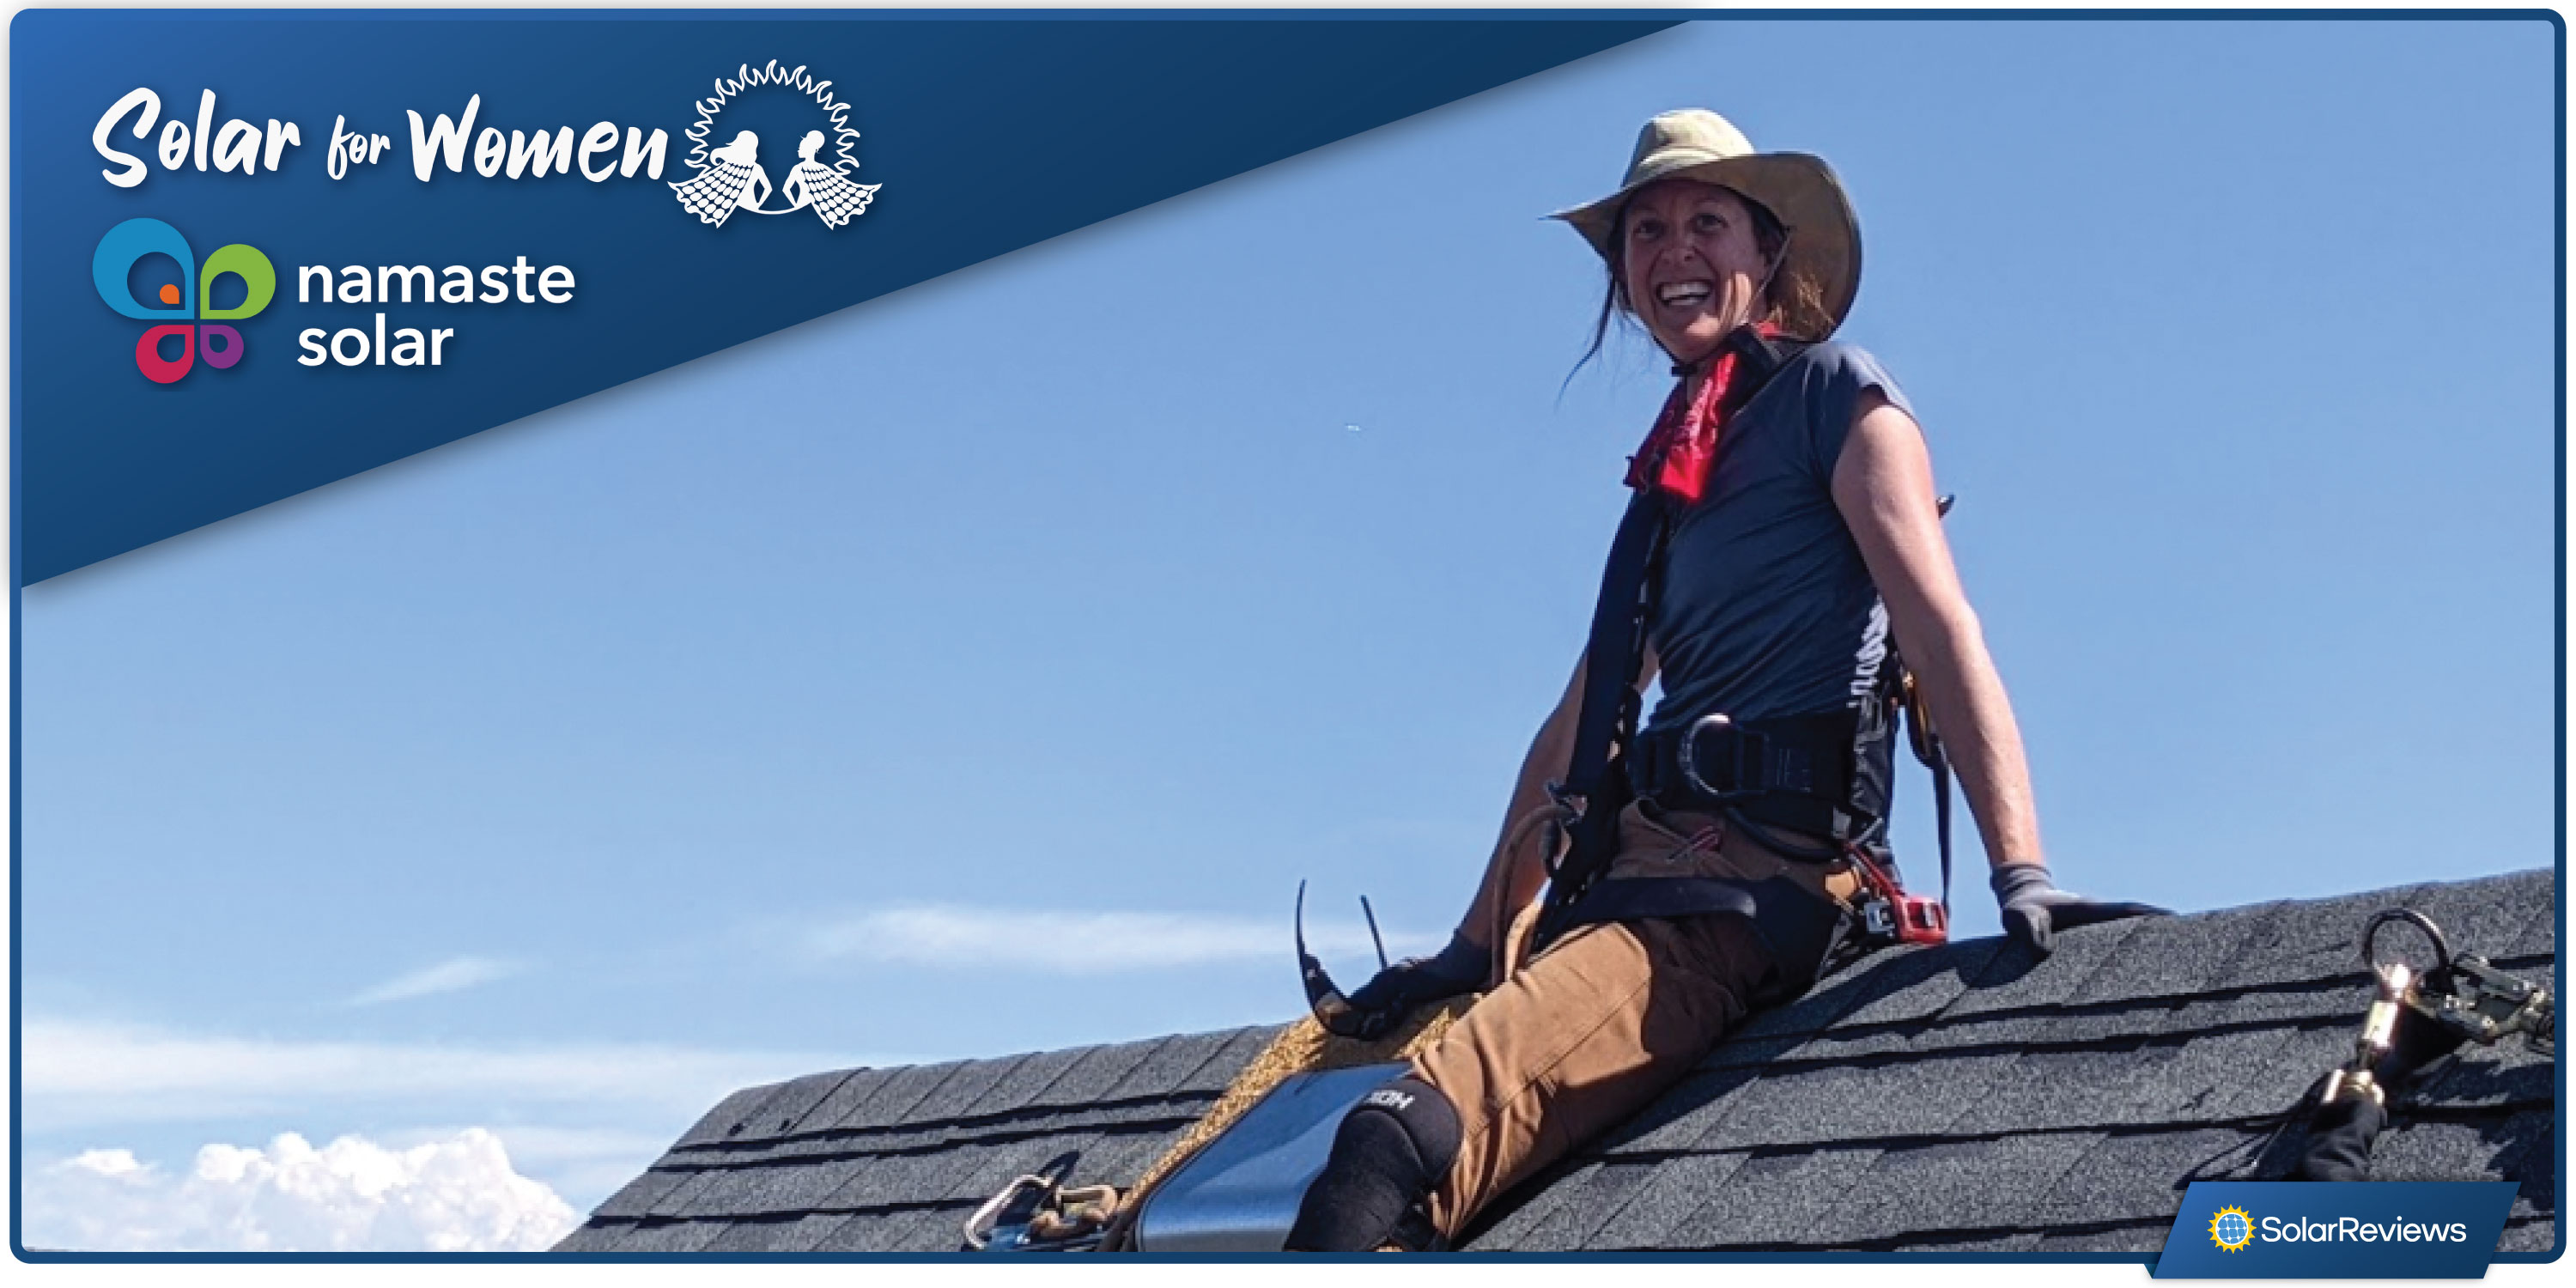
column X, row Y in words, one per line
column 2231, row 1229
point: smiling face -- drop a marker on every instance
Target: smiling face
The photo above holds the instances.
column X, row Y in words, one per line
column 1692, row 265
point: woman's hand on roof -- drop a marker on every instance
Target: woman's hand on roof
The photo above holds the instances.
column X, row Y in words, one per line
column 2035, row 909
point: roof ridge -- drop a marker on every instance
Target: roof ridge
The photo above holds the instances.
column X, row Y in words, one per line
column 711, row 1158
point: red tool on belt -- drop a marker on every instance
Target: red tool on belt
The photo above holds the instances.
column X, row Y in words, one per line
column 1889, row 913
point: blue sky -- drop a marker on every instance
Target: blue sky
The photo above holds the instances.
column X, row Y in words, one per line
column 980, row 668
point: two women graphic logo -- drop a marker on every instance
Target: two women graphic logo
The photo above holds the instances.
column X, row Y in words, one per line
column 184, row 308
column 729, row 178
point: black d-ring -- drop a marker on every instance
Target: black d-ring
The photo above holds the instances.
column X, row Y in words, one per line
column 2370, row 936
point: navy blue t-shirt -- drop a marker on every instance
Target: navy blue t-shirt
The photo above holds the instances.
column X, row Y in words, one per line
column 1766, row 608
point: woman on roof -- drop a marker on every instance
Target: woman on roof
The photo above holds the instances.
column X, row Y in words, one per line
column 1788, row 506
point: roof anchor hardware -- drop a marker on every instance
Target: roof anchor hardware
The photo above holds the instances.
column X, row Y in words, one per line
column 2417, row 1016
column 2463, row 996
column 1332, row 1009
column 2467, row 995
column 1040, row 1214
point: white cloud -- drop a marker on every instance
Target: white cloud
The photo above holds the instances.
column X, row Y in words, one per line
column 459, row 1194
column 584, row 1164
column 78, row 1072
column 1076, row 943
column 107, row 1162
column 445, row 977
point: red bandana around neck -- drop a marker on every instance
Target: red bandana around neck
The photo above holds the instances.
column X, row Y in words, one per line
column 1677, row 452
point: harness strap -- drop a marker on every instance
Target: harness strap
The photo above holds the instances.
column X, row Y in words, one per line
column 1595, row 787
column 1619, row 618
column 1594, row 791
column 1799, row 930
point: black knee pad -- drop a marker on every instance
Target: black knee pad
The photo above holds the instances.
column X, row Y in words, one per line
column 1428, row 1119
column 1391, row 1149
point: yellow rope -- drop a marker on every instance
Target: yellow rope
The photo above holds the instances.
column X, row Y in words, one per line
column 1304, row 1047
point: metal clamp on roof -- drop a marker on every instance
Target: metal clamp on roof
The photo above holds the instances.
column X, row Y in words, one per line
column 1038, row 1214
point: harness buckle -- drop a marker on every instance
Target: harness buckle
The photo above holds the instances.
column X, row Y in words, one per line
column 1569, row 804
column 1569, row 815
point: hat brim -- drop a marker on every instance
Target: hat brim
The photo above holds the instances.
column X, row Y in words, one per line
column 1800, row 190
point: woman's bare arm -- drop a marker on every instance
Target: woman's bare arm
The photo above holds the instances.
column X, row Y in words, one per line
column 1883, row 486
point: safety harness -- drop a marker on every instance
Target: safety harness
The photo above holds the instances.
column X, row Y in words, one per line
column 1825, row 775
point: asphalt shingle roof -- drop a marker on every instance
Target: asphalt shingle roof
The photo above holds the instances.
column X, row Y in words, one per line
column 1961, row 1098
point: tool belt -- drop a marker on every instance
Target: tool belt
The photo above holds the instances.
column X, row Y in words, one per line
column 1793, row 773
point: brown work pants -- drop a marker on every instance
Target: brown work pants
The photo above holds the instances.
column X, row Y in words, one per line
column 1609, row 1017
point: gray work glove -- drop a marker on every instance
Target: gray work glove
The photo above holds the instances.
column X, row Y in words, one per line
column 1458, row 968
column 2035, row 909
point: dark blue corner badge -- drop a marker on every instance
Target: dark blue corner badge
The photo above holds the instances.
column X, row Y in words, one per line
column 2352, row 1230
column 258, row 253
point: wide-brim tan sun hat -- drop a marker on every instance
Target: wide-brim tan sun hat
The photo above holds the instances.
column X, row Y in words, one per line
column 1799, row 190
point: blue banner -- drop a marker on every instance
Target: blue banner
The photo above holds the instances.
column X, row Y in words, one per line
column 2359, row 1230
column 254, row 253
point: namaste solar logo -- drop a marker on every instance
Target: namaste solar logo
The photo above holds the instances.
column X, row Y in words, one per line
column 128, row 271
column 731, row 176
column 2231, row 1229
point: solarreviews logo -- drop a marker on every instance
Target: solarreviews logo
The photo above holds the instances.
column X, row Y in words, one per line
column 2381, row 1230
column 190, row 322
column 2231, row 1229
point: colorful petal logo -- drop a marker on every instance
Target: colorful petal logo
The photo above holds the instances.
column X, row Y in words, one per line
column 185, row 309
